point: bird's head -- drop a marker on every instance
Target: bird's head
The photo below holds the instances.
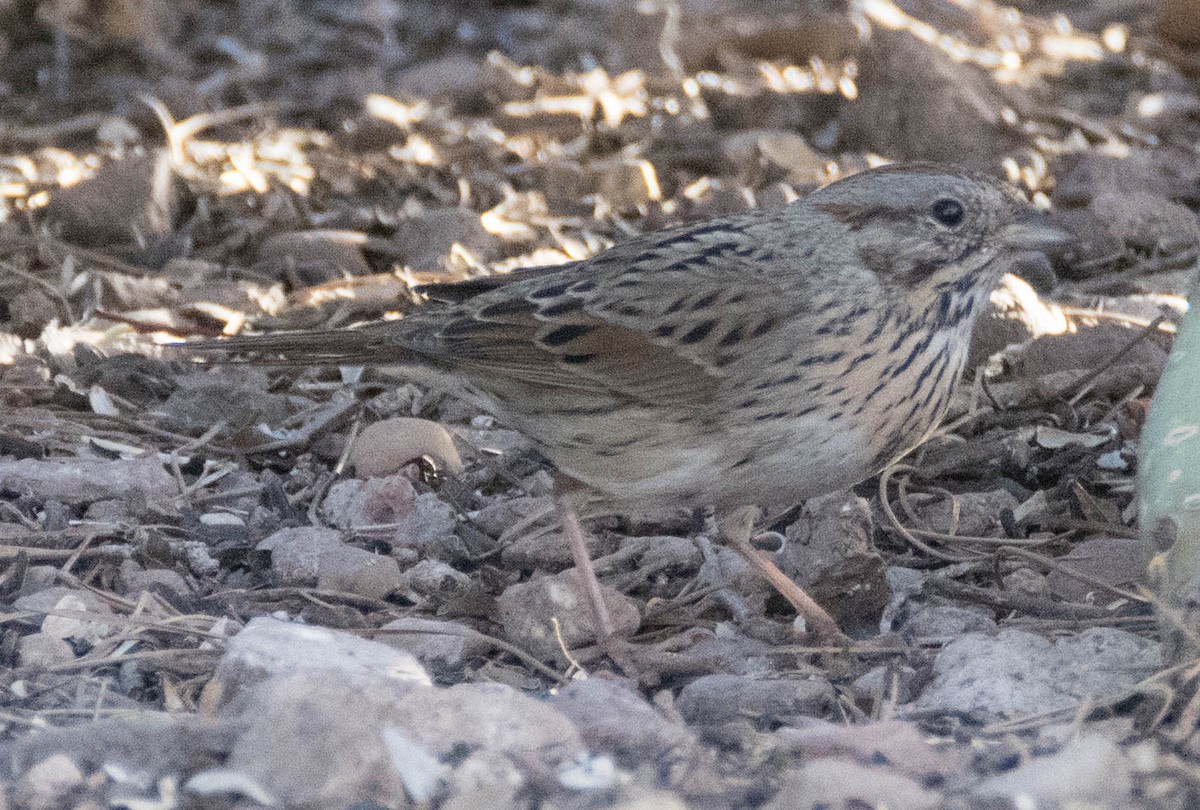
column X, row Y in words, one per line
column 928, row 231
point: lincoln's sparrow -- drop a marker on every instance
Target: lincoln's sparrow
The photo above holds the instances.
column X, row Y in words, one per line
column 762, row 358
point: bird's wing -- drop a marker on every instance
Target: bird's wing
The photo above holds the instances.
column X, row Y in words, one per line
column 455, row 292
column 654, row 320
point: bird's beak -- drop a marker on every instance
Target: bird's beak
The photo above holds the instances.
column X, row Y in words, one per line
column 1034, row 231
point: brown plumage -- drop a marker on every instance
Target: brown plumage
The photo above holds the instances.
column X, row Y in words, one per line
column 762, row 358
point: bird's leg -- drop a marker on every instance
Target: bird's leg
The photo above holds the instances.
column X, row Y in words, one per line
column 738, row 530
column 708, row 531
column 564, row 492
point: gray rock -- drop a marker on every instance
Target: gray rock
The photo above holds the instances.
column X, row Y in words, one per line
column 148, row 743
column 429, row 577
column 1026, row 582
column 81, row 481
column 622, row 183
column 538, row 550
column 420, row 771
column 732, row 651
column 900, row 746
column 123, row 200
column 136, row 579
column 454, row 78
column 198, row 556
column 669, row 553
column 238, row 395
column 268, row 647
column 1090, row 771
column 500, row 515
column 430, row 519
column 111, row 512
column 1018, row 673
column 353, row 504
column 61, row 599
column 882, row 681
column 614, row 719
column 716, row 699
column 527, row 608
column 492, row 717
column 311, row 257
column 973, row 514
column 829, row 552
column 832, row 782
column 1114, row 560
column 639, row 798
column 311, row 556
column 49, row 597
column 484, row 779
column 41, row 650
column 943, row 623
column 38, row 578
column 313, row 739
column 441, row 646
column 46, row 785
column 355, row 570
column 915, row 100
column 589, row 774
column 424, row 242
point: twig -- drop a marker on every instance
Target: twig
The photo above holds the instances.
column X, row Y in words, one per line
column 1081, row 385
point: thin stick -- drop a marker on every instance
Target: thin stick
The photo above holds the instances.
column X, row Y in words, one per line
column 737, row 532
column 583, row 561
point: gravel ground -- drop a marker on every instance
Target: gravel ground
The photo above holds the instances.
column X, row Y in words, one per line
column 208, row 599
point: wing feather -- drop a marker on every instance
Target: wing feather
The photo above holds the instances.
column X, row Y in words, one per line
column 655, row 320
column 661, row 319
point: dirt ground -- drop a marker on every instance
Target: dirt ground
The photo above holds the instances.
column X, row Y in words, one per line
column 201, row 604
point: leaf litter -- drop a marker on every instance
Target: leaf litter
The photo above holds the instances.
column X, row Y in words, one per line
column 195, row 171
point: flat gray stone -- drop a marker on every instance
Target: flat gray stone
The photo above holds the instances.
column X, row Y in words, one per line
column 528, row 608
column 268, row 647
column 41, row 650
column 66, row 600
column 615, row 719
column 81, row 481
column 833, row 782
column 489, row 716
column 307, row 556
column 442, row 646
column 723, row 698
column 1016, row 673
column 1091, row 771
column 48, row 784
column 315, row 740
column 945, row 623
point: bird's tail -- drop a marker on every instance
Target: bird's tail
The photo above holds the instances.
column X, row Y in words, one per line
column 373, row 344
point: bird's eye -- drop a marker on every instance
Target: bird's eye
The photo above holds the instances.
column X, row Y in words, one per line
column 948, row 211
